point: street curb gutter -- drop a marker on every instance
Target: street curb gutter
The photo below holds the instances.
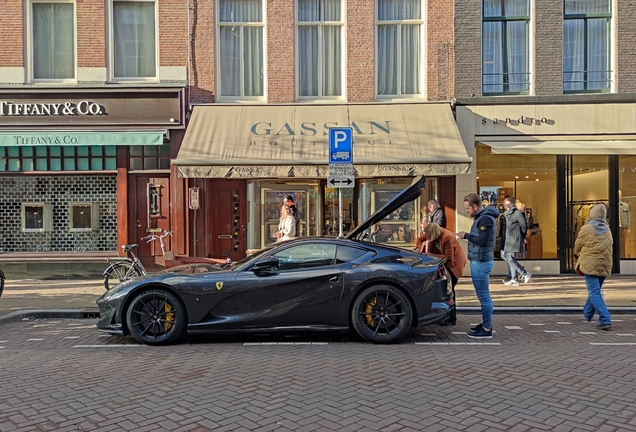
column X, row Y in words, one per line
column 544, row 310
column 34, row 314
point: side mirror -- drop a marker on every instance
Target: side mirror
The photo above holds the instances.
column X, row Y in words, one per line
column 265, row 264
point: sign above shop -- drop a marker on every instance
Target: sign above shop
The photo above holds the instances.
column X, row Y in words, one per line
column 54, row 138
column 91, row 107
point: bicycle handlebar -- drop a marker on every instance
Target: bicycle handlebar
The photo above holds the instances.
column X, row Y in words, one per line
column 153, row 237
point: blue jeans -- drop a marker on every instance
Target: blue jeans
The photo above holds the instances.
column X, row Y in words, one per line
column 480, row 274
column 513, row 265
column 595, row 302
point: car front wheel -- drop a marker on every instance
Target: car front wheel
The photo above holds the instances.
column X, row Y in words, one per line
column 156, row 317
column 382, row 314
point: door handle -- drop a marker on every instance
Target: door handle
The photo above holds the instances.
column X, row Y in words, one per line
column 225, row 236
column 334, row 279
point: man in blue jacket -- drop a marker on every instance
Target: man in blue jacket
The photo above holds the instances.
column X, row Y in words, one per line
column 481, row 241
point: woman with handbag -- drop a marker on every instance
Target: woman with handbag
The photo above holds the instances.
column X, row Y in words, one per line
column 593, row 246
column 443, row 243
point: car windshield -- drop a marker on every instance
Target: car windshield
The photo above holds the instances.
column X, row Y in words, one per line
column 240, row 265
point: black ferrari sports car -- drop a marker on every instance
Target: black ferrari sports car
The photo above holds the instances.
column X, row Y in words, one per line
column 309, row 283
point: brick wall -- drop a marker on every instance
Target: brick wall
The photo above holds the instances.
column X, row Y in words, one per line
column 280, row 51
column 547, row 24
column 91, row 33
column 467, row 48
column 11, row 30
column 203, row 54
column 625, row 45
column 173, row 32
column 360, row 39
column 439, row 50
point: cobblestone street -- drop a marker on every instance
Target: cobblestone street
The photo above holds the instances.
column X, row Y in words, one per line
column 539, row 372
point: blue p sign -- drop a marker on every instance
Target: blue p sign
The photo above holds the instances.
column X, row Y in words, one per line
column 341, row 145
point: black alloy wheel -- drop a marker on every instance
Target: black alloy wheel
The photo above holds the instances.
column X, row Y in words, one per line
column 119, row 272
column 382, row 314
column 156, row 317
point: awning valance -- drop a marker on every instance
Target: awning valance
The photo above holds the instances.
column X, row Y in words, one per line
column 626, row 147
column 272, row 141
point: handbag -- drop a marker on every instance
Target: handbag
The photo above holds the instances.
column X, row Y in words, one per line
column 578, row 270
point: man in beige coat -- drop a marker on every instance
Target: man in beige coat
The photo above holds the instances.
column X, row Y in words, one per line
column 593, row 247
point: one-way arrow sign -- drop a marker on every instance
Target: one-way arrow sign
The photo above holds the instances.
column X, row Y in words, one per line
column 340, row 181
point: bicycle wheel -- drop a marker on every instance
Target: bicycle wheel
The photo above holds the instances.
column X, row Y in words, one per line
column 119, row 272
column 1, row 282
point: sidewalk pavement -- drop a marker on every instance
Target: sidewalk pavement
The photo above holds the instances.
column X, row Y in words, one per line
column 545, row 294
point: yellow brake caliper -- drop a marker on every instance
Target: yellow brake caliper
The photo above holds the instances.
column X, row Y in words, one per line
column 368, row 309
column 169, row 316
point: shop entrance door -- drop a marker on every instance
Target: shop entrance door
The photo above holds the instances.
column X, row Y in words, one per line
column 152, row 213
column 586, row 183
column 226, row 226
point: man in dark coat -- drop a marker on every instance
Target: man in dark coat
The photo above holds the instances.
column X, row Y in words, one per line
column 289, row 201
column 436, row 214
column 513, row 241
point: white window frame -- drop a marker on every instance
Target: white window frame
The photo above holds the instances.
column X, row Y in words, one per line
column 423, row 69
column 47, row 216
column 217, row 57
column 94, row 216
column 343, row 55
column 29, row 45
column 110, row 35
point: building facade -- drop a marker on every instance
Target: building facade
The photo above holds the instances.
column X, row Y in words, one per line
column 267, row 81
column 546, row 107
column 92, row 97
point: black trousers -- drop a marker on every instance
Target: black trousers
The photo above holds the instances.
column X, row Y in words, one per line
column 453, row 309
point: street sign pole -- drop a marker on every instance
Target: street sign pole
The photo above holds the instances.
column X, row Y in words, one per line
column 340, row 165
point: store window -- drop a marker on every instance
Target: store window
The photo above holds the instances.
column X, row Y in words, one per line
column 52, row 41
column 531, row 179
column 627, row 204
column 57, row 158
column 84, row 216
column 134, row 40
column 319, row 58
column 240, row 35
column 586, row 46
column 37, row 217
column 399, row 48
column 505, row 51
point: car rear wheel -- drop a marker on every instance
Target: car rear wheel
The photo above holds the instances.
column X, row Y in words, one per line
column 156, row 317
column 382, row 314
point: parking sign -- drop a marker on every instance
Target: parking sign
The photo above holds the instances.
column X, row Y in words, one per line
column 340, row 145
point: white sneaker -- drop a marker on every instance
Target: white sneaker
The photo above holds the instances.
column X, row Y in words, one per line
column 527, row 277
column 512, row 282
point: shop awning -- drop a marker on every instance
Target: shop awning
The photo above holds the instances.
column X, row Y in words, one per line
column 562, row 146
column 274, row 141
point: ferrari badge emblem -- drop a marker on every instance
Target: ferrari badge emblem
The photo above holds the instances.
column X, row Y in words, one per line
column 219, row 285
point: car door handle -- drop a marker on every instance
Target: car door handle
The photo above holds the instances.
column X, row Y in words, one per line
column 334, row 279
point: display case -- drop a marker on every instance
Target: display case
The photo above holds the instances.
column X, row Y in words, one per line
column 400, row 228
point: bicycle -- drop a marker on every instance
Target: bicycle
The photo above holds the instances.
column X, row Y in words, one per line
column 130, row 266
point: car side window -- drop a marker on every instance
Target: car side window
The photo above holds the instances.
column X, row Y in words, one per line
column 306, row 256
column 347, row 254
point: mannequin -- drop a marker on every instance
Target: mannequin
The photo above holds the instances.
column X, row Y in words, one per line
column 623, row 223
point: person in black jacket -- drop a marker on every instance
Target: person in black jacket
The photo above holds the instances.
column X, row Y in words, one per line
column 289, row 201
column 513, row 236
column 436, row 214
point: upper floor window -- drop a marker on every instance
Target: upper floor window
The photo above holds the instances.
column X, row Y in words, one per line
column 240, row 36
column 586, row 45
column 399, row 48
column 504, row 48
column 52, row 41
column 319, row 39
column 134, row 40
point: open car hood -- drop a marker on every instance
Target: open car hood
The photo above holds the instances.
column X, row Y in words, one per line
column 409, row 194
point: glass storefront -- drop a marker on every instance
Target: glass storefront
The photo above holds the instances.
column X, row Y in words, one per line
column 319, row 209
column 627, row 203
